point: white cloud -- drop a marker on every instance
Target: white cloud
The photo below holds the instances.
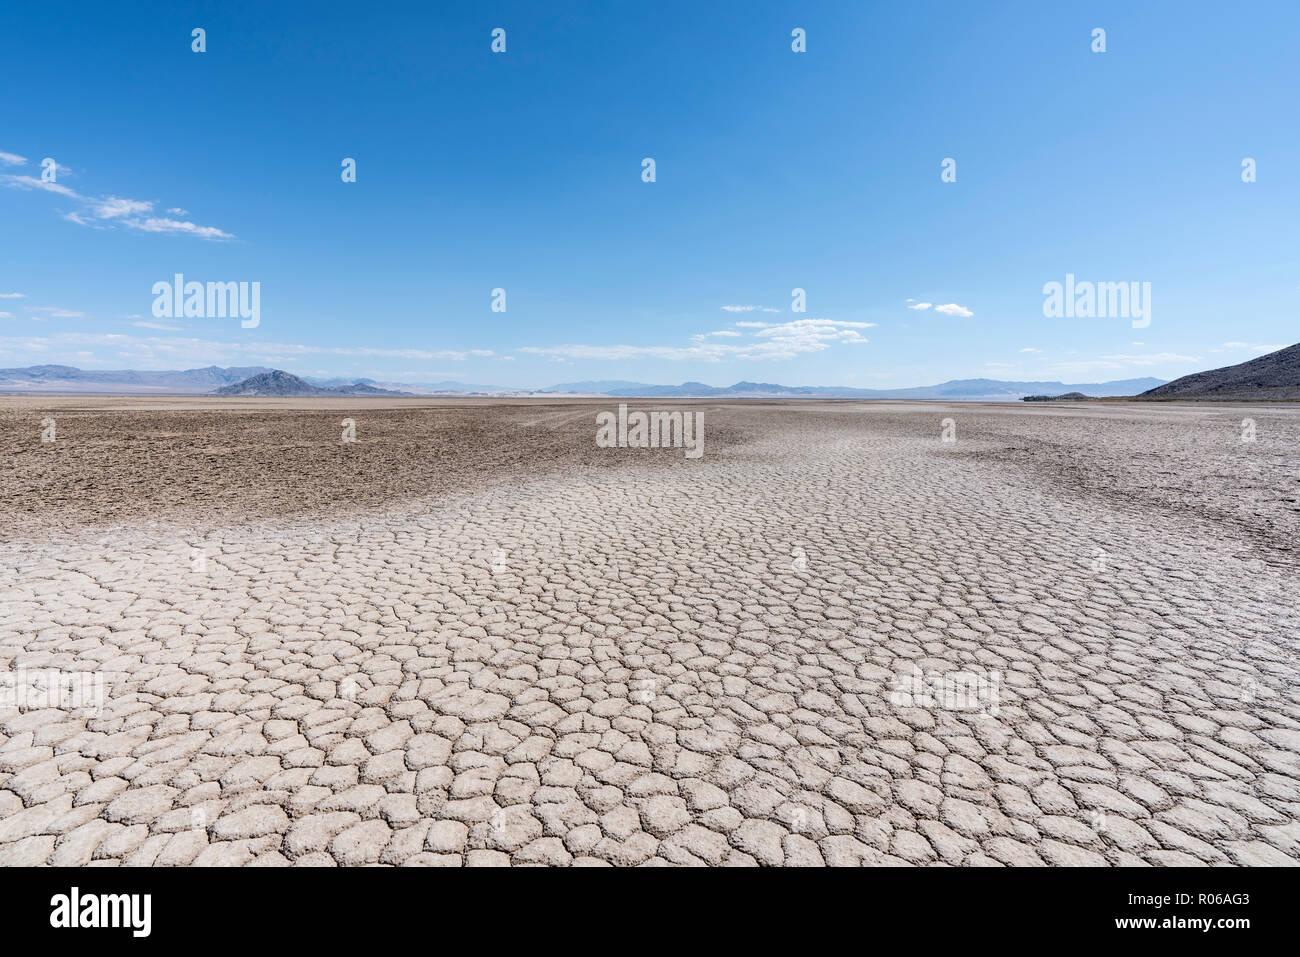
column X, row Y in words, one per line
column 81, row 220
column 6, row 315
column 167, row 352
column 101, row 212
column 439, row 355
column 1256, row 347
column 782, row 341
column 814, row 326
column 157, row 325
column 32, row 182
column 951, row 309
column 731, row 333
column 156, row 224
column 1122, row 361
column 1030, row 349
column 11, row 159
column 114, row 207
column 740, row 308
column 56, row 312
column 1153, row 359
column 13, row 295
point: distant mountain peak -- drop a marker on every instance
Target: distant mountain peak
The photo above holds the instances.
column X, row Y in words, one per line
column 277, row 382
column 204, row 381
column 953, row 390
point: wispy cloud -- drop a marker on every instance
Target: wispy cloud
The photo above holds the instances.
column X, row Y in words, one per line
column 432, row 355
column 12, row 159
column 104, row 212
column 1260, row 348
column 721, row 332
column 159, row 224
column 56, row 312
column 115, row 207
column 161, row 326
column 171, row 351
column 1030, row 349
column 951, row 309
column 1122, row 361
column 750, row 309
column 13, row 295
column 771, row 341
column 1153, row 359
column 14, row 181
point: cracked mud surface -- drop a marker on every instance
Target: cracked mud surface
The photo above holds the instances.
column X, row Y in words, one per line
column 656, row 660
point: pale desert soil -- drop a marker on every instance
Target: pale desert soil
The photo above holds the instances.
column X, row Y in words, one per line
column 475, row 638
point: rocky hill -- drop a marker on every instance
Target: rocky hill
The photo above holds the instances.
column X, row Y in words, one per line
column 1068, row 397
column 1272, row 376
column 280, row 383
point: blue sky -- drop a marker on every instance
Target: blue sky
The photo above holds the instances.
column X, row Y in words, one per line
column 774, row 170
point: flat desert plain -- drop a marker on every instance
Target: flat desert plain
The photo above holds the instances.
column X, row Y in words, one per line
column 472, row 637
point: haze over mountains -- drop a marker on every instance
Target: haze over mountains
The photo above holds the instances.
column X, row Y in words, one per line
column 1272, row 376
column 58, row 378
column 215, row 379
column 204, row 381
column 955, row 390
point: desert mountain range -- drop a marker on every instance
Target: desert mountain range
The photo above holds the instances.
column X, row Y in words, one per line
column 1272, row 376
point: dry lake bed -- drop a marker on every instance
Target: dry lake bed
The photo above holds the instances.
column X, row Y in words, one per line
column 848, row 633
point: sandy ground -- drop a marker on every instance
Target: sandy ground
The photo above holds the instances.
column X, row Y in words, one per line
column 472, row 637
